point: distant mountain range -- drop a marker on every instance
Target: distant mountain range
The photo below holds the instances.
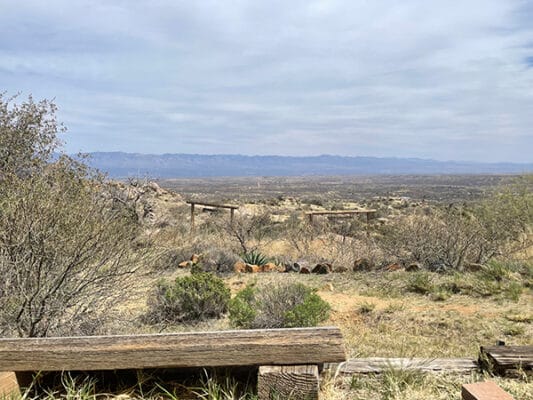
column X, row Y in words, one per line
column 121, row 165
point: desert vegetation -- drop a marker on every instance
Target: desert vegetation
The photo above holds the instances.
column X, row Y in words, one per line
column 428, row 276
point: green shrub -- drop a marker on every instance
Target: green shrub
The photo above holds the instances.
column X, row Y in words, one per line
column 255, row 258
column 193, row 298
column 420, row 282
column 286, row 305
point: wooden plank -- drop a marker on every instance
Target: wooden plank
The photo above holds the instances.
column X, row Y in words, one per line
column 484, row 391
column 508, row 357
column 295, row 382
column 201, row 203
column 9, row 386
column 178, row 350
column 340, row 212
column 378, row 365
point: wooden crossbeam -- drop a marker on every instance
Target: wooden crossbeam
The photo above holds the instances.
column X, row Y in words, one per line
column 340, row 212
column 178, row 350
column 502, row 358
column 379, row 364
column 201, row 203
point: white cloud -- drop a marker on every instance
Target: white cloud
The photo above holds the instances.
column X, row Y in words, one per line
column 439, row 79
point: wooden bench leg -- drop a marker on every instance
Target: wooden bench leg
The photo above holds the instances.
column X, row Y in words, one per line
column 484, row 391
column 288, row 382
column 9, row 385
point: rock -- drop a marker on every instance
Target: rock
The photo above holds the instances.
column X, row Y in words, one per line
column 195, row 258
column 363, row 264
column 393, row 267
column 302, row 264
column 239, row 266
column 269, row 267
column 154, row 187
column 185, row 264
column 322, row 268
column 340, row 269
column 305, row 270
column 280, row 268
column 292, row 267
column 253, row 268
column 473, row 267
column 413, row 267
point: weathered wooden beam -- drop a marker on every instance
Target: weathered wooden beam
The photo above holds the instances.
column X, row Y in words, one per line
column 501, row 358
column 294, row 382
column 201, row 203
column 9, row 385
column 484, row 391
column 378, row 364
column 178, row 350
column 340, row 212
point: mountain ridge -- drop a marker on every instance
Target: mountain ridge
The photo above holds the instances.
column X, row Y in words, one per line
column 180, row 165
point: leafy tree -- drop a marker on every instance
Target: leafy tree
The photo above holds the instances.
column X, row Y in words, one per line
column 28, row 134
column 65, row 253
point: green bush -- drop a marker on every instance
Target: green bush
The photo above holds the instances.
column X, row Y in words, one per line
column 420, row 282
column 255, row 258
column 193, row 298
column 286, row 305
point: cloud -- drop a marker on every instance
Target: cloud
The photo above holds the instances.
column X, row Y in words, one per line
column 440, row 79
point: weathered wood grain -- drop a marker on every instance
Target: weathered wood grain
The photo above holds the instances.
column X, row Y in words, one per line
column 378, row 364
column 179, row 350
column 484, row 391
column 296, row 382
column 508, row 357
column 9, row 387
column 202, row 203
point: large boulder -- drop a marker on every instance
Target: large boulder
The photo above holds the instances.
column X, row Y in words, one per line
column 269, row 267
column 363, row 264
column 322, row 268
column 413, row 267
column 239, row 266
column 252, row 269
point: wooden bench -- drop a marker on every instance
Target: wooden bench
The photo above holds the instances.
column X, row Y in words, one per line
column 288, row 359
column 501, row 358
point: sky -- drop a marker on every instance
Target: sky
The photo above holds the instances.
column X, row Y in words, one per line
column 440, row 79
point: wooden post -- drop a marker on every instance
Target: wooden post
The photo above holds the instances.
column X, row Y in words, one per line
column 192, row 218
column 9, row 385
column 310, row 218
column 295, row 382
column 231, row 215
column 484, row 391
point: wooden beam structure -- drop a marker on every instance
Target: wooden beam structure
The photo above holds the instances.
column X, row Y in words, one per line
column 178, row 350
column 9, row 386
column 368, row 212
column 193, row 203
column 501, row 358
column 379, row 364
column 287, row 358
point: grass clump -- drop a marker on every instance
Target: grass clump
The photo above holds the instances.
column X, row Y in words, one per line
column 194, row 298
column 285, row 305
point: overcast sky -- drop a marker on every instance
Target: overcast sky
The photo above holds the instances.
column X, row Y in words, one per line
column 441, row 79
